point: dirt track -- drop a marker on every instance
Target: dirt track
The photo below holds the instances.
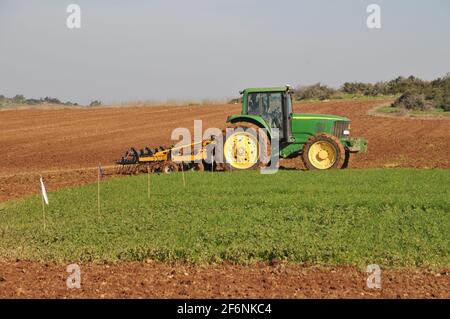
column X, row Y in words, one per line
column 154, row 280
column 66, row 145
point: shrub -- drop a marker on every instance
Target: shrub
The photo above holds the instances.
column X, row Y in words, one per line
column 446, row 105
column 315, row 91
column 51, row 100
column 18, row 99
column 440, row 93
column 235, row 101
column 33, row 101
column 95, row 103
column 396, row 86
column 412, row 101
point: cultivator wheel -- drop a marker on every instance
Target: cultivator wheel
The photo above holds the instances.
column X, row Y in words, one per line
column 170, row 167
column 130, row 169
column 131, row 157
column 148, row 168
column 197, row 167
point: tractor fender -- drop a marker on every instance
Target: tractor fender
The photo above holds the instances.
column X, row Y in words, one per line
column 254, row 119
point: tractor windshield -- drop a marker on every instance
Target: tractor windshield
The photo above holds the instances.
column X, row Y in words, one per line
column 269, row 106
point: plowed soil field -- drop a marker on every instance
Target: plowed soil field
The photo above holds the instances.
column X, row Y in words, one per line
column 66, row 145
column 156, row 280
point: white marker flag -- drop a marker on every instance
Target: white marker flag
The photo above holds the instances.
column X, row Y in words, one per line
column 44, row 192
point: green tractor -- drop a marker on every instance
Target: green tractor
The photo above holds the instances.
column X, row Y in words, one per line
column 323, row 141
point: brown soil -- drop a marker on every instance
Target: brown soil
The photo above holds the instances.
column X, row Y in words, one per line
column 155, row 280
column 66, row 145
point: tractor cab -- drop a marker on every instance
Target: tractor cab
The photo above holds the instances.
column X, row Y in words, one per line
column 273, row 105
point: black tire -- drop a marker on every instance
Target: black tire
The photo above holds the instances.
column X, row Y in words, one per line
column 339, row 156
column 197, row 167
column 252, row 129
column 169, row 167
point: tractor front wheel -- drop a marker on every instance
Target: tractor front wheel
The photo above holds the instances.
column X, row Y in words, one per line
column 323, row 151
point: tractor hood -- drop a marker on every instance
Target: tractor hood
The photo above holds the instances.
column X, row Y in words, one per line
column 306, row 125
column 320, row 117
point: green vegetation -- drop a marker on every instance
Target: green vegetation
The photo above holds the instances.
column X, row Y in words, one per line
column 412, row 93
column 21, row 100
column 394, row 218
column 315, row 92
column 348, row 97
column 412, row 113
column 95, row 103
column 429, row 95
column 392, row 87
column 422, row 99
column 411, row 101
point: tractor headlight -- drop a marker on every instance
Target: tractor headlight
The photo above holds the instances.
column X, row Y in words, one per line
column 346, row 132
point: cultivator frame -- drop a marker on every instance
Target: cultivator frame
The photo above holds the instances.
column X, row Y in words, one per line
column 164, row 159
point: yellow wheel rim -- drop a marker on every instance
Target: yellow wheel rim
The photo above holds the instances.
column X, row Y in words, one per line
column 241, row 150
column 322, row 155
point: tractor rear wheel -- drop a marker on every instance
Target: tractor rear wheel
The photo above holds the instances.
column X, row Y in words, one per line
column 242, row 150
column 323, row 151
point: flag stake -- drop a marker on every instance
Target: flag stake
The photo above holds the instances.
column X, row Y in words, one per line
column 148, row 181
column 43, row 211
column 44, row 199
column 182, row 173
column 98, row 190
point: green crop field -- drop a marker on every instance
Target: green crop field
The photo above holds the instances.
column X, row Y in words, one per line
column 391, row 217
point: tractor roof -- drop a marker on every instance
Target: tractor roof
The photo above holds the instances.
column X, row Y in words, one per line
column 271, row 89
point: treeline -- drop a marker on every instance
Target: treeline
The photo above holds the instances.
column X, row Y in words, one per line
column 414, row 93
column 19, row 99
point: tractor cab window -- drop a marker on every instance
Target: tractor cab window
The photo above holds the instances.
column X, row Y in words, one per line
column 269, row 106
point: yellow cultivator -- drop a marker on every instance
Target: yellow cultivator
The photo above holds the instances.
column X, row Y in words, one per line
column 163, row 159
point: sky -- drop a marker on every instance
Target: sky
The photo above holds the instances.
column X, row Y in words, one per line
column 210, row 49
